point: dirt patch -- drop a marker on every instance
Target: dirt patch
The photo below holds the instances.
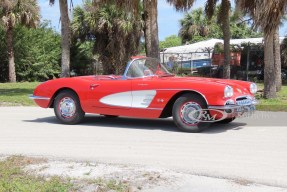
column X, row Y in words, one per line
column 89, row 175
column 242, row 182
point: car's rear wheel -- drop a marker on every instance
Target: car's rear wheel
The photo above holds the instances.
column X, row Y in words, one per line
column 67, row 108
column 187, row 113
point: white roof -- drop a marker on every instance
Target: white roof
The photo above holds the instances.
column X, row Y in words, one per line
column 209, row 44
column 195, row 47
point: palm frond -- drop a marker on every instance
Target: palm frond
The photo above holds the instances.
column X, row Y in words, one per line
column 181, row 5
column 24, row 12
column 266, row 14
column 210, row 7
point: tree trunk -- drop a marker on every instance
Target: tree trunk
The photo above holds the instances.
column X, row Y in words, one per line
column 151, row 28
column 12, row 73
column 277, row 60
column 226, row 37
column 65, row 38
column 269, row 66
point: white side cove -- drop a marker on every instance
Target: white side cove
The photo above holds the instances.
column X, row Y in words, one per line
column 142, row 99
column 134, row 99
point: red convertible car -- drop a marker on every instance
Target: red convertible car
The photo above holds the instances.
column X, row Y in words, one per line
column 148, row 90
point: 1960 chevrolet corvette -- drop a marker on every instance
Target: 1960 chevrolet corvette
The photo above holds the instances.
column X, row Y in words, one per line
column 148, row 90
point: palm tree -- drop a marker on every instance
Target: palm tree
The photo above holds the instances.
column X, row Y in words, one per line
column 150, row 20
column 151, row 28
column 194, row 24
column 223, row 19
column 277, row 60
column 65, row 38
column 12, row 13
column 116, row 34
column 267, row 16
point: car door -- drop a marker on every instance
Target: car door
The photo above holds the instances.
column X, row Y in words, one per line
column 143, row 92
column 112, row 94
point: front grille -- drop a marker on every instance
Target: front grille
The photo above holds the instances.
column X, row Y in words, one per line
column 243, row 101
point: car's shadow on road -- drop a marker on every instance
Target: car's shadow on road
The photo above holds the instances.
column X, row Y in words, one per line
column 148, row 124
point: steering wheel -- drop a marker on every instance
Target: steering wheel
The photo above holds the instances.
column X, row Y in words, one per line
column 158, row 70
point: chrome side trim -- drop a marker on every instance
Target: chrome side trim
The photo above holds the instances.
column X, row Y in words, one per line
column 38, row 97
column 159, row 109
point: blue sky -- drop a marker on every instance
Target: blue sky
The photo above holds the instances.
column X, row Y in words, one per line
column 168, row 18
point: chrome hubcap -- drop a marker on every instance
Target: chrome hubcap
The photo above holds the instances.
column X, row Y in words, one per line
column 190, row 113
column 67, row 107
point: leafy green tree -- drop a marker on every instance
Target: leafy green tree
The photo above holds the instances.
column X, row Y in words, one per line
column 195, row 26
column 170, row 41
column 116, row 33
column 37, row 53
column 3, row 57
column 82, row 57
column 12, row 13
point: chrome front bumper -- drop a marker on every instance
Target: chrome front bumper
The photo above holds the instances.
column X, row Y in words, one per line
column 235, row 106
column 247, row 107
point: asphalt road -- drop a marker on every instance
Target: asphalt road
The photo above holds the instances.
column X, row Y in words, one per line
column 249, row 149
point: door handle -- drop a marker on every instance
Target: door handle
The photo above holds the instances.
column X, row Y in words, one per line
column 93, row 86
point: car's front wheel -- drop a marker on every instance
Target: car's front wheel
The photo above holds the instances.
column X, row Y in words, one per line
column 226, row 121
column 67, row 108
column 187, row 111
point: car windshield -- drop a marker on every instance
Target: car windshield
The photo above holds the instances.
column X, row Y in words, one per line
column 145, row 67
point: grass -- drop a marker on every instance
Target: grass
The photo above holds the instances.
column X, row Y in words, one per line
column 16, row 94
column 14, row 178
column 278, row 104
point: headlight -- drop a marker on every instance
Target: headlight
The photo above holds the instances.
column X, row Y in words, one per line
column 253, row 88
column 228, row 91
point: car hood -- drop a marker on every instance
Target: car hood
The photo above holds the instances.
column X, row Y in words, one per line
column 239, row 87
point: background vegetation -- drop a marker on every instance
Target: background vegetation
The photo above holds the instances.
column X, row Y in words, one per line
column 110, row 32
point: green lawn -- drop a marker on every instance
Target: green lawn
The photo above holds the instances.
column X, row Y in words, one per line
column 278, row 104
column 16, row 94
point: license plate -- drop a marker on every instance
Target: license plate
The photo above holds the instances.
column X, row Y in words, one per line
column 240, row 109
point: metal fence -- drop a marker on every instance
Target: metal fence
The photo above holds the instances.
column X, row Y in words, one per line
column 245, row 65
